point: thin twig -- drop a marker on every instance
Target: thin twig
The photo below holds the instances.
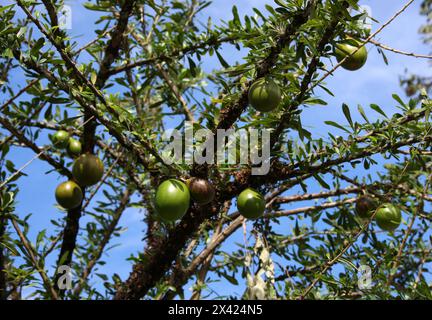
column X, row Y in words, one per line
column 175, row 90
column 411, row 54
column 33, row 258
column 19, row 93
column 106, row 238
column 25, row 165
column 89, row 44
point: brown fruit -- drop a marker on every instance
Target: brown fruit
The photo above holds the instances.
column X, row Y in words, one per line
column 202, row 191
column 365, row 207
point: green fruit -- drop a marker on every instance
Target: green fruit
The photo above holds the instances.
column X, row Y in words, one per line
column 264, row 95
column 201, row 191
column 172, row 200
column 69, row 195
column 355, row 61
column 74, row 147
column 251, row 204
column 388, row 217
column 88, row 169
column 60, row 139
column 365, row 207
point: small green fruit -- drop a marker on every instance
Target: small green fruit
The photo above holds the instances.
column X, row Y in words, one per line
column 74, row 147
column 365, row 207
column 388, row 217
column 264, row 95
column 69, row 195
column 201, row 191
column 60, row 139
column 251, row 204
column 88, row 169
column 172, row 200
column 354, row 62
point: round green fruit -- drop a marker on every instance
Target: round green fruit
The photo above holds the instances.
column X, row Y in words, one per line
column 201, row 191
column 172, row 200
column 69, row 195
column 388, row 217
column 354, row 62
column 60, row 139
column 365, row 207
column 251, row 204
column 264, row 95
column 88, row 169
column 74, row 147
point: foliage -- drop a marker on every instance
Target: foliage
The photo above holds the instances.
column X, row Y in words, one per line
column 146, row 71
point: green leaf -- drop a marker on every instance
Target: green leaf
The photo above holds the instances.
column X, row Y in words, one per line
column 381, row 52
column 315, row 101
column 192, row 67
column 366, row 164
column 231, row 279
column 378, row 109
column 270, row 9
column 258, row 12
column 21, row 32
column 222, row 60
column 347, row 114
column 69, row 120
column 326, row 90
column 97, row 7
column 362, row 113
column 321, row 181
column 279, row 2
column 399, row 100
column 334, row 124
column 236, row 19
column 40, row 237
column 37, row 46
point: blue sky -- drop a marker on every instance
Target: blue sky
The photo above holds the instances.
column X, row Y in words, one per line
column 375, row 83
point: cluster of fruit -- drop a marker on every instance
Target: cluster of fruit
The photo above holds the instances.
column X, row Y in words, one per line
column 265, row 95
column 387, row 216
column 62, row 140
column 173, row 196
column 173, row 199
column 87, row 170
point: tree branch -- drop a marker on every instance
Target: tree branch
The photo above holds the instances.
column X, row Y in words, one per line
column 106, row 238
column 42, row 155
column 34, row 260
column 230, row 113
column 410, row 54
